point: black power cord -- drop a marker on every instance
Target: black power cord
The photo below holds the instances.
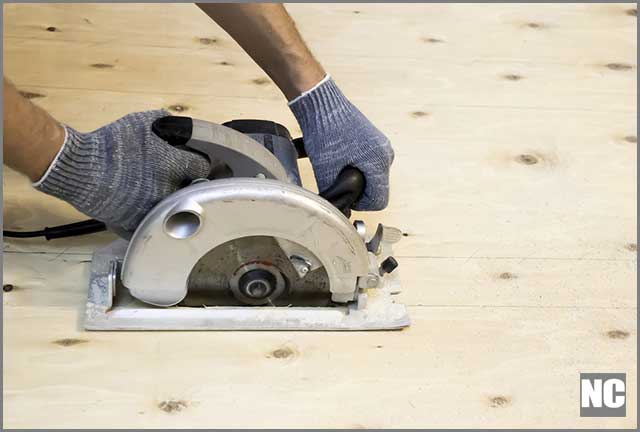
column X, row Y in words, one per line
column 69, row 230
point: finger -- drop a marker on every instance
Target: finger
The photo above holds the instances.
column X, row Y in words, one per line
column 187, row 165
column 373, row 199
column 197, row 166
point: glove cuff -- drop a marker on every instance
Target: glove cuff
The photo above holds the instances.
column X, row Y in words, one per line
column 55, row 159
column 326, row 78
column 321, row 105
column 72, row 173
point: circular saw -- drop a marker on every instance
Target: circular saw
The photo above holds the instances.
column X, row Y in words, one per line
column 248, row 248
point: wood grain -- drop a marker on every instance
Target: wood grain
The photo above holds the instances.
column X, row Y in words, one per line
column 515, row 181
column 494, row 367
column 82, row 65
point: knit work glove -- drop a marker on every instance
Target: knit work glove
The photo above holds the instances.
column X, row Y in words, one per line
column 117, row 173
column 336, row 134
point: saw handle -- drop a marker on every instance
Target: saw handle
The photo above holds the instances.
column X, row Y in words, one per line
column 176, row 130
column 346, row 190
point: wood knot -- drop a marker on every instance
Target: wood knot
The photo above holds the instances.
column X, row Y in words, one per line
column 51, row 29
column 225, row 63
column 66, row 342
column 179, row 108
column 631, row 139
column 527, row 159
column 7, row 287
column 631, row 247
column 619, row 66
column 102, row 66
column 356, row 12
column 30, row 95
column 535, row 25
column 632, row 12
column 507, row 275
column 617, row 334
column 432, row 40
column 284, row 352
column 172, row 406
column 499, row 401
column 418, row 114
column 378, row 346
column 260, row 81
column 512, row 77
column 207, row 41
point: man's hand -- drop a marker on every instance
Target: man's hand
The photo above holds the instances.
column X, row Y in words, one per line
column 336, row 134
column 117, row 173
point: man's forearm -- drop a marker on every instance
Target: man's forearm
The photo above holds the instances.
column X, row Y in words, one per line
column 268, row 34
column 31, row 137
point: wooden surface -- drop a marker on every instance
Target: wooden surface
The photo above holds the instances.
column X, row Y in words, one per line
column 515, row 179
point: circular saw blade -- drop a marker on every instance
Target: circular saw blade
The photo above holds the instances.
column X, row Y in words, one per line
column 208, row 283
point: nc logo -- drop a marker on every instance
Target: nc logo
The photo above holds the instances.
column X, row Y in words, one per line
column 603, row 395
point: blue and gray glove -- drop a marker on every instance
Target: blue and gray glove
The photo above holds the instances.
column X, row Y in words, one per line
column 119, row 172
column 336, row 134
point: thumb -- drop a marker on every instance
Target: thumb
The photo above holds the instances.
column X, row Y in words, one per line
column 196, row 165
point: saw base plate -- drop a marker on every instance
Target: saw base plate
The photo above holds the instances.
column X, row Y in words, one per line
column 110, row 306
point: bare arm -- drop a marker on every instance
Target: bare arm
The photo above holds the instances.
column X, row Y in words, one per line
column 268, row 34
column 336, row 134
column 31, row 136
